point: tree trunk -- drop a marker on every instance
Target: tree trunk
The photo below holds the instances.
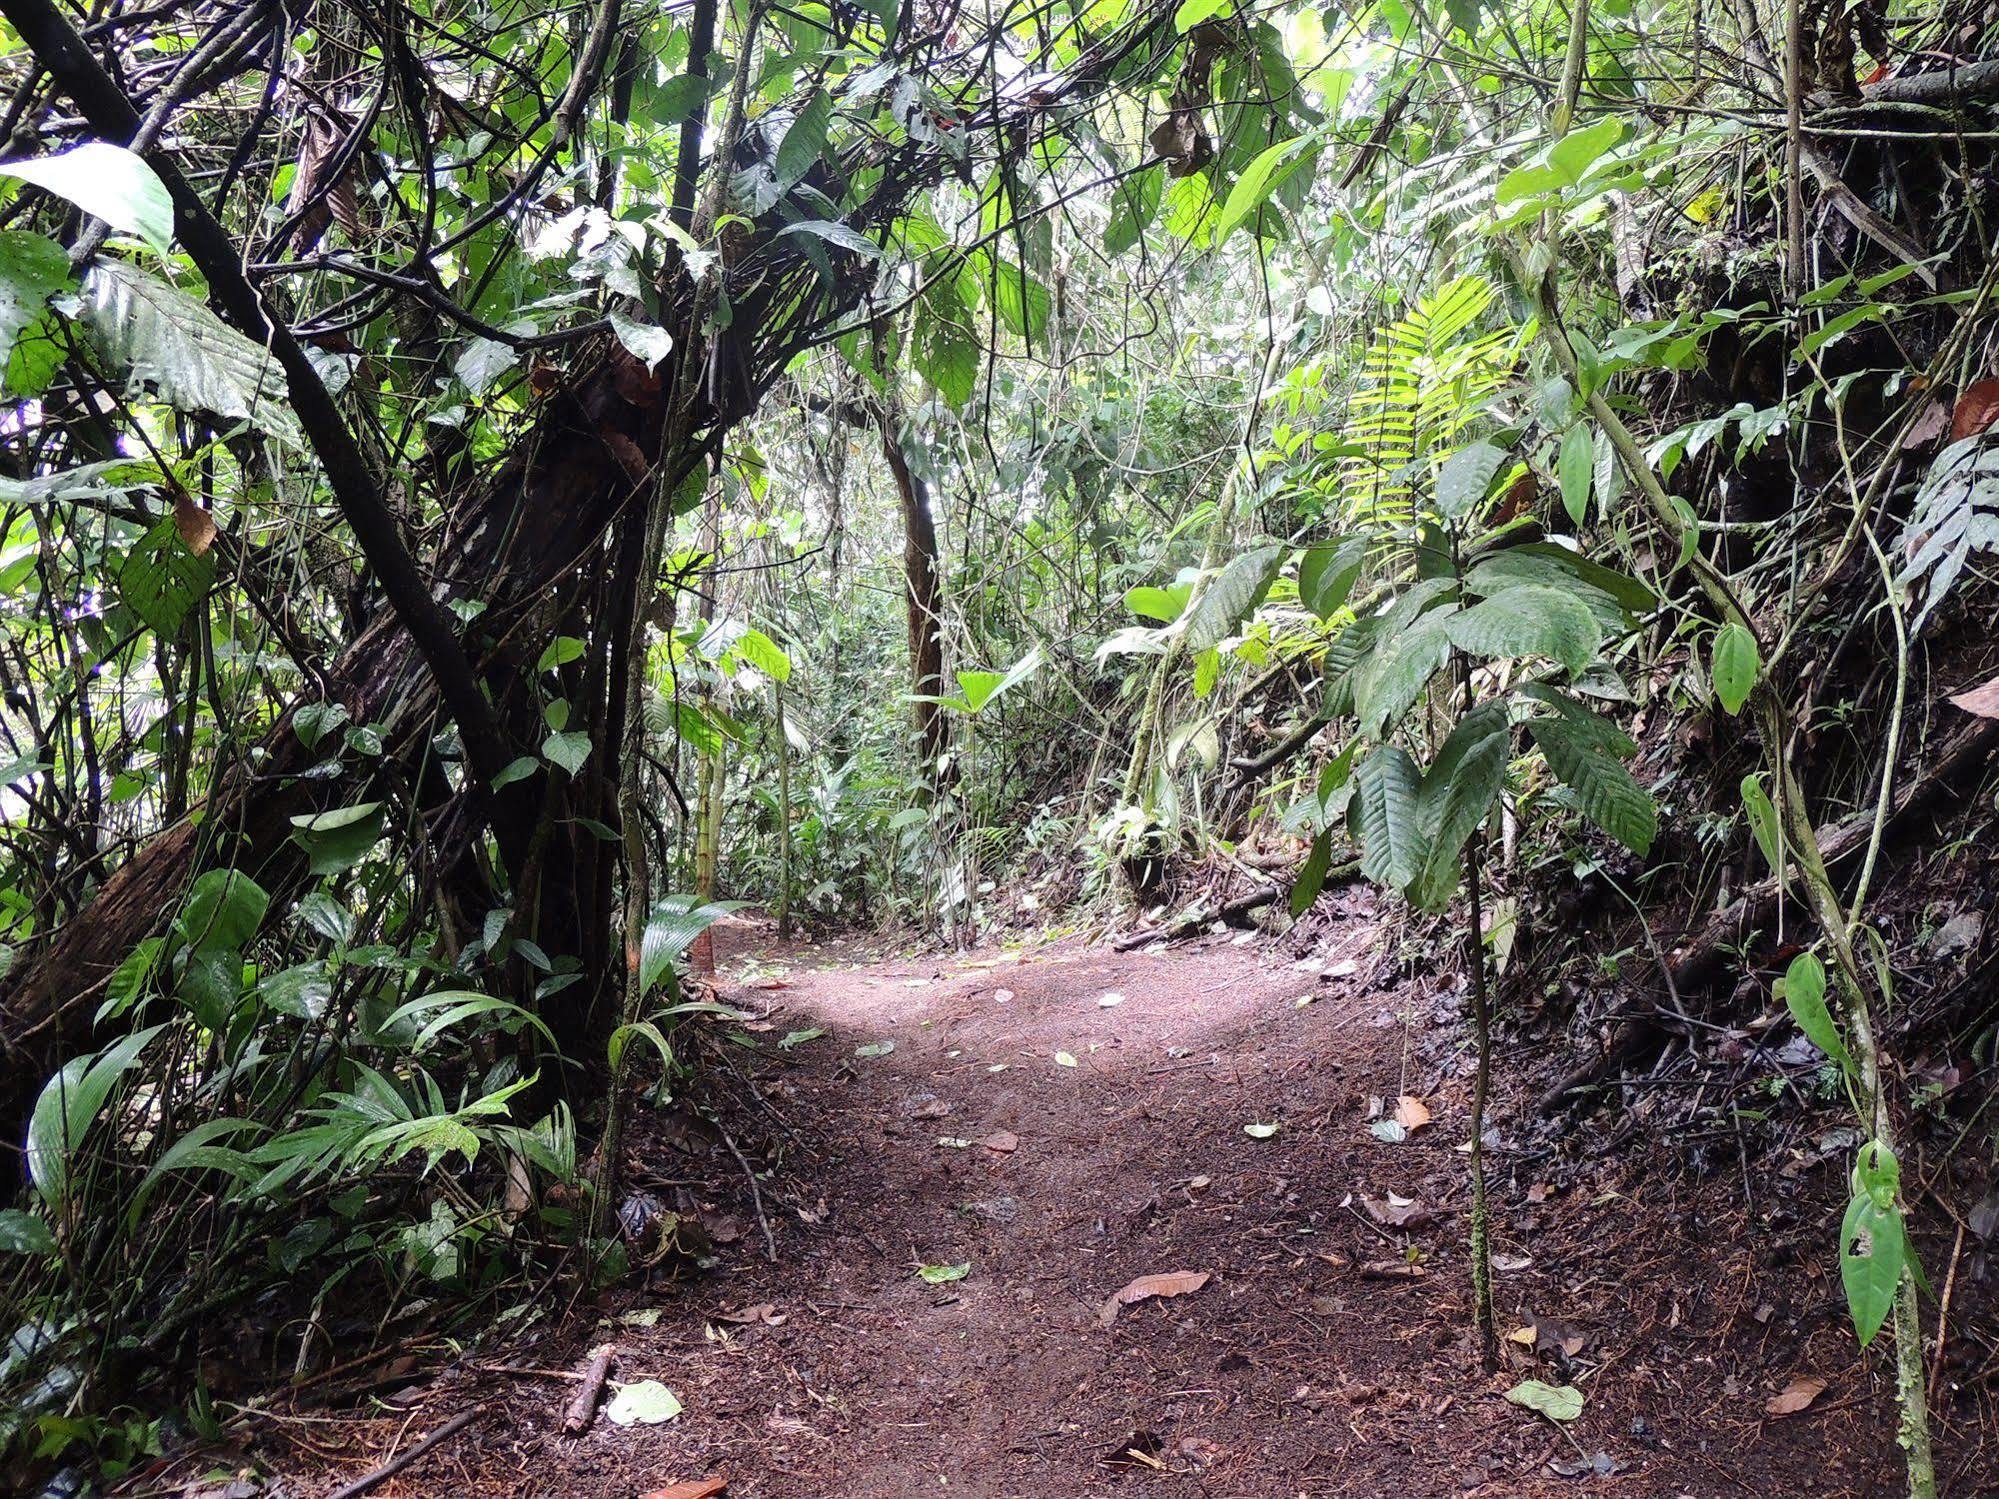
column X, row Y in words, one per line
column 923, row 594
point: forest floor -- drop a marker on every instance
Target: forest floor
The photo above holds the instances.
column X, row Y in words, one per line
column 1065, row 1119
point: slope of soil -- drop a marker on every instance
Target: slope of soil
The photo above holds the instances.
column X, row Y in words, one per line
column 1327, row 1353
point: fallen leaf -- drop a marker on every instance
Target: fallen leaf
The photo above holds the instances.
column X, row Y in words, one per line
column 1140, row 1449
column 646, row 1316
column 763, row 1311
column 943, row 1275
column 1001, row 1142
column 1002, row 996
column 694, row 1488
column 936, row 1108
column 799, row 1038
column 1109, row 1001
column 1558, row 1402
column 1538, row 1193
column 1389, row 1131
column 648, row 1402
column 1170, row 1283
column 1411, row 1113
column 1975, row 410
column 1392, row 1270
column 1551, row 1335
column 954, row 1142
column 1063, row 1059
column 1984, row 701
column 1796, row 1396
column 1602, row 1465
column 875, row 1049
column 1259, row 1131
column 1398, row 1212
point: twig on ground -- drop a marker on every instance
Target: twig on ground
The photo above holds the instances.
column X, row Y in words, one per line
column 395, row 1465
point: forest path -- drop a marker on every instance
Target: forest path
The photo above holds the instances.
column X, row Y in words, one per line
column 836, row 1372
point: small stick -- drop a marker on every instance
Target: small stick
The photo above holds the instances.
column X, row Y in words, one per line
column 395, row 1465
column 1943, row 1313
column 583, row 1409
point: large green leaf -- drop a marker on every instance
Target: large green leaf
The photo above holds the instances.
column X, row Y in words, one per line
column 1465, row 477
column 1529, row 620
column 1604, row 789
column 1327, row 571
column 107, row 182
column 1384, row 810
column 1735, row 665
column 1230, row 595
column 670, row 929
column 1804, row 997
column 223, row 911
column 169, row 343
column 1262, row 177
column 338, row 840
column 1458, row 791
column 1400, row 667
column 22, row 1232
column 160, row 580
column 33, row 268
column 68, row 1106
column 805, row 141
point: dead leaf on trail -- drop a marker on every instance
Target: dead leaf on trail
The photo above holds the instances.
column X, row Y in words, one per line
column 1001, row 1142
column 1398, row 1212
column 1549, row 1335
column 694, row 1488
column 1140, row 1449
column 762, row 1312
column 1411, row 1113
column 936, row 1108
column 1171, row 1283
column 1796, row 1396
column 1538, row 1192
column 1983, row 701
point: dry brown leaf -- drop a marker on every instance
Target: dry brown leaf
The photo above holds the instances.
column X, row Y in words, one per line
column 1796, row 1395
column 1392, row 1270
column 1984, row 701
column 1976, row 409
column 763, row 1311
column 1411, row 1113
column 694, row 1488
column 1398, row 1212
column 196, row 525
column 936, row 1108
column 1171, row 1283
column 1001, row 1142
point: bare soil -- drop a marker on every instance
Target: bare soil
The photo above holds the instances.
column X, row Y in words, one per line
column 1328, row 1352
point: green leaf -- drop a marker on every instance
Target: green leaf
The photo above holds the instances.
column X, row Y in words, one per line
column 1193, row 12
column 1604, row 789
column 1162, row 604
column 1458, row 791
column 1763, row 824
column 68, row 1106
column 160, row 580
column 169, row 343
column 645, row 1403
column 1134, row 205
column 1804, row 997
column 670, row 929
column 1398, row 670
column 944, row 349
column 1575, row 153
column 646, row 342
column 106, row 182
column 1465, row 477
column 1230, row 596
column 805, row 141
column 678, row 97
column 33, row 268
column 765, row 654
column 338, row 840
column 943, row 1275
column 1736, row 664
column 1563, row 1402
column 1873, row 1252
column 23, row 1233
column 447, row 1007
column 1312, row 876
column 224, row 910
column 1576, row 469
column 1327, row 572
column 1384, row 808
column 1262, row 177
column 569, row 750
column 1529, row 620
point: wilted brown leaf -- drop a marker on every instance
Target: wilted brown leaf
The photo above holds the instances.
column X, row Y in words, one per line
column 1001, row 1142
column 1800, row 1392
column 935, row 1108
column 1392, row 1270
column 1411, row 1113
column 1398, row 1212
column 196, row 525
column 1984, row 701
column 693, row 1488
column 1976, row 409
column 762, row 1312
column 1171, row 1283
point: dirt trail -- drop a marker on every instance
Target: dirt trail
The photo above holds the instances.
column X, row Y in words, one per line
column 1292, row 1372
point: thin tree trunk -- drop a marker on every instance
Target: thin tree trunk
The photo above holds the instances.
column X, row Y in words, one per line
column 923, row 595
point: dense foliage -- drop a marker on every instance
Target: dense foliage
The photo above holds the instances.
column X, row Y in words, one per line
column 487, row 485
